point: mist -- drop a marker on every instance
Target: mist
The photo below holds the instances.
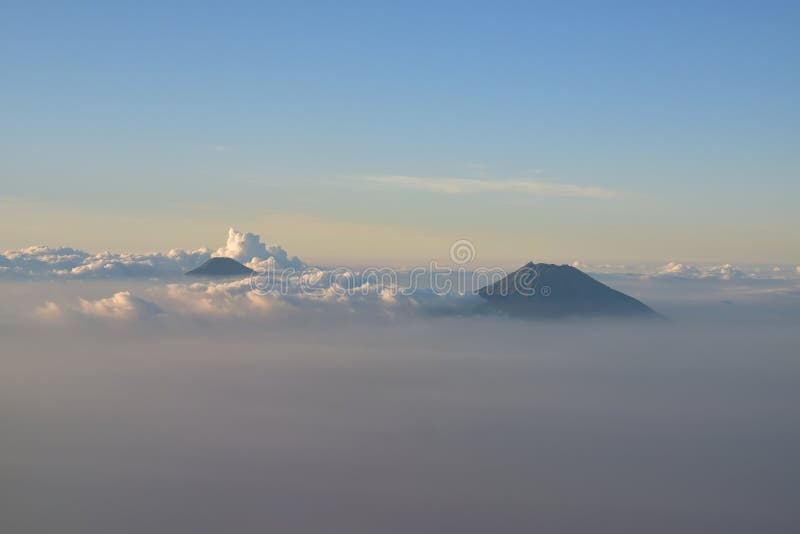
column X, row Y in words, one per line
column 345, row 423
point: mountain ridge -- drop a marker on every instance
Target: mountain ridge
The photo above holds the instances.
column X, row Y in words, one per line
column 547, row 290
column 220, row 266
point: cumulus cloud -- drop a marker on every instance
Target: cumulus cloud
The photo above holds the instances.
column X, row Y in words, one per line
column 242, row 246
column 336, row 294
column 312, row 293
column 120, row 265
column 47, row 262
column 329, row 295
column 235, row 300
column 122, row 305
column 49, row 311
column 43, row 261
column 674, row 269
column 225, row 299
column 720, row 272
column 726, row 272
column 40, row 259
column 248, row 249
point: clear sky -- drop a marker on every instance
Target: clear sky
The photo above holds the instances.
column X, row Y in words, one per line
column 599, row 131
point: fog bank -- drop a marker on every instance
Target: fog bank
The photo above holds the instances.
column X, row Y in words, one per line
column 426, row 426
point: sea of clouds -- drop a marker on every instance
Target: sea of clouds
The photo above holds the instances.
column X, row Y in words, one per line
column 425, row 425
column 45, row 262
column 153, row 286
column 133, row 399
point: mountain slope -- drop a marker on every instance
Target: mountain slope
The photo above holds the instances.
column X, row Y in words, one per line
column 551, row 291
column 221, row 267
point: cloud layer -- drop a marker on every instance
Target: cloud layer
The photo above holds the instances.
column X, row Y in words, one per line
column 460, row 426
column 298, row 297
column 719, row 272
column 42, row 261
column 310, row 292
column 46, row 262
column 121, row 305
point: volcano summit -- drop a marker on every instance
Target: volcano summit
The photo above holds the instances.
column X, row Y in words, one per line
column 545, row 290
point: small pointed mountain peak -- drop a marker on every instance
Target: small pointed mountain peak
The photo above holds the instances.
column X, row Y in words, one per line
column 221, row 266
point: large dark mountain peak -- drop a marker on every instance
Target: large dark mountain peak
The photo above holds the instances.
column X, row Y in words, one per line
column 551, row 291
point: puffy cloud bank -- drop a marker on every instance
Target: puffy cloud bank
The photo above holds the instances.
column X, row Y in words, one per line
column 323, row 296
column 46, row 262
column 719, row 272
column 247, row 248
column 298, row 296
column 684, row 271
column 122, row 305
column 297, row 289
column 49, row 311
column 40, row 259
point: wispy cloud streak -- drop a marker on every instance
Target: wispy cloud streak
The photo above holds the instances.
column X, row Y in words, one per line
column 465, row 186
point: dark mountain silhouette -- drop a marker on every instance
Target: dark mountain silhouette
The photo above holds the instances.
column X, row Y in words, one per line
column 220, row 267
column 551, row 291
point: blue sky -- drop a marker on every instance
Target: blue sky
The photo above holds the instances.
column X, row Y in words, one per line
column 555, row 131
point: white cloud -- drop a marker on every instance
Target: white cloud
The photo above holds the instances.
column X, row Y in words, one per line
column 675, row 269
column 38, row 262
column 122, row 305
column 47, row 262
column 237, row 299
column 248, row 248
column 40, row 259
column 719, row 272
column 314, row 294
column 122, row 265
column 43, row 261
column 462, row 186
column 333, row 295
column 242, row 246
column 49, row 311
column 726, row 272
column 225, row 299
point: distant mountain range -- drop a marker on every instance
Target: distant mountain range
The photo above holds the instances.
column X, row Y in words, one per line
column 543, row 290
column 221, row 267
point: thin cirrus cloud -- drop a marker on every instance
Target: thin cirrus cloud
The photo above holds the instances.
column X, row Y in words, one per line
column 466, row 186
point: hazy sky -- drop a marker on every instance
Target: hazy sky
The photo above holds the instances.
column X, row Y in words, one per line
column 554, row 131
